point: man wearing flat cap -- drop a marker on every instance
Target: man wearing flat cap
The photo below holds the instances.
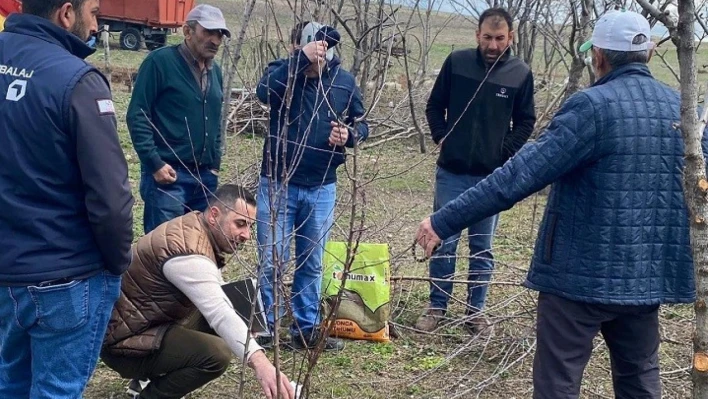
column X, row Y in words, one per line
column 174, row 120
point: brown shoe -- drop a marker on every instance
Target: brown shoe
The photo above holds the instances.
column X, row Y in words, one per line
column 478, row 325
column 429, row 320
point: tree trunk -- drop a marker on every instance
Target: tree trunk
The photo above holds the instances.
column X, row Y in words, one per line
column 105, row 37
column 425, row 48
column 235, row 57
column 359, row 51
column 579, row 37
column 695, row 187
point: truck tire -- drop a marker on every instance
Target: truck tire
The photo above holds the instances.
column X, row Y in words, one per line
column 154, row 42
column 131, row 39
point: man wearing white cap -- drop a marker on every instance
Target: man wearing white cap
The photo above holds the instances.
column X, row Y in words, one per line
column 614, row 242
column 174, row 120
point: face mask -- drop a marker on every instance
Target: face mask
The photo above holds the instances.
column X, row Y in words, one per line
column 91, row 42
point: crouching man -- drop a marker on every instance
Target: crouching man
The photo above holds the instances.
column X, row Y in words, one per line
column 176, row 274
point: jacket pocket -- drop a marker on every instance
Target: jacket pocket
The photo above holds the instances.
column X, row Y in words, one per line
column 549, row 238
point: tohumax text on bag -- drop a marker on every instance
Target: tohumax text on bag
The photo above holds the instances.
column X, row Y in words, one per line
column 364, row 308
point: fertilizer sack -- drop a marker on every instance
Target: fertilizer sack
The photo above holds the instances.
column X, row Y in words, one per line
column 364, row 308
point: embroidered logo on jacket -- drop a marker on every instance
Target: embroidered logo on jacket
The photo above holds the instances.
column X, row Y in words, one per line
column 16, row 90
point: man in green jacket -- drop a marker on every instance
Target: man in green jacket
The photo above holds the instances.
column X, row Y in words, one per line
column 174, row 120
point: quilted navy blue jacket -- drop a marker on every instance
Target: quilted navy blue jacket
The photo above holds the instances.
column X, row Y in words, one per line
column 615, row 228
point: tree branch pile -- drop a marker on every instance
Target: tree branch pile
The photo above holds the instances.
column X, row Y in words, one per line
column 247, row 114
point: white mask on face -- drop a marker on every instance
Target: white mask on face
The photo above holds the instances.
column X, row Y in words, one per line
column 308, row 35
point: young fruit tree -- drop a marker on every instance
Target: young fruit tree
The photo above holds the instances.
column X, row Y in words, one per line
column 695, row 187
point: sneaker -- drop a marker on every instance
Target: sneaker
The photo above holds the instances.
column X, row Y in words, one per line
column 331, row 344
column 136, row 386
column 429, row 320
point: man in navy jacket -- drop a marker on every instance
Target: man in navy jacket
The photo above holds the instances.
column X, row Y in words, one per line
column 66, row 220
column 614, row 242
column 315, row 111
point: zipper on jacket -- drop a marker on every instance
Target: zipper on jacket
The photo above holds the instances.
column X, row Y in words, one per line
column 204, row 120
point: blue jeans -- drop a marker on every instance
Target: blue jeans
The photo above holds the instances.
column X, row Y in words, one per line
column 164, row 202
column 306, row 214
column 50, row 337
column 449, row 186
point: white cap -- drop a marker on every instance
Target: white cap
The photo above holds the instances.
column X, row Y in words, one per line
column 617, row 30
column 308, row 35
column 209, row 17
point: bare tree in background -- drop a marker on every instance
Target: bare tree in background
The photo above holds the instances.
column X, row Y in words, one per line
column 580, row 33
column 523, row 10
column 429, row 31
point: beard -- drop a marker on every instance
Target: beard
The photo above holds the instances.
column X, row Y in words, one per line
column 491, row 56
column 227, row 243
column 79, row 30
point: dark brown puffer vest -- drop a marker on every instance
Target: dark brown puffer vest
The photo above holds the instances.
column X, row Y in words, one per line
column 149, row 303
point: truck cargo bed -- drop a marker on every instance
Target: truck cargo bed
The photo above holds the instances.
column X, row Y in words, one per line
column 156, row 13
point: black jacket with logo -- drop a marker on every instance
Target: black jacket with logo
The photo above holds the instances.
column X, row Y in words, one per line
column 479, row 136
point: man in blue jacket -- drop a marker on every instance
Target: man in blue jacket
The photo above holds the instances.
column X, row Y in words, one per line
column 66, row 220
column 614, row 242
column 297, row 191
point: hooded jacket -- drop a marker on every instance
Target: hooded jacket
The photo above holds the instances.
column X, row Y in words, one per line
column 299, row 129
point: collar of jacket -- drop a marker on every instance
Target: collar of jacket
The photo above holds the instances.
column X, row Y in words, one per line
column 332, row 68
column 44, row 29
column 220, row 259
column 191, row 59
column 481, row 61
column 635, row 68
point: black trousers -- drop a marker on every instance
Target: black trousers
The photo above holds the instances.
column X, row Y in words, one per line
column 565, row 330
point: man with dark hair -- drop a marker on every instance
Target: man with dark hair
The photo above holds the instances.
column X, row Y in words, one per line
column 173, row 324
column 297, row 191
column 66, row 222
column 480, row 111
column 614, row 242
column 174, row 119
column 46, row 8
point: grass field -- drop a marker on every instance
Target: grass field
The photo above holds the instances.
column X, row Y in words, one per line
column 448, row 363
